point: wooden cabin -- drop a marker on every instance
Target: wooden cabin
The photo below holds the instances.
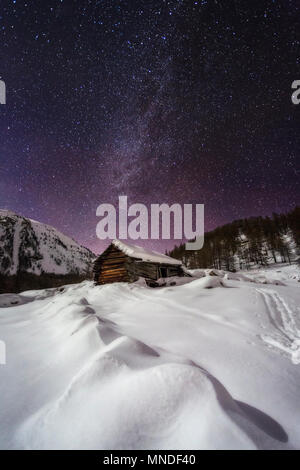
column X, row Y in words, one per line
column 122, row 262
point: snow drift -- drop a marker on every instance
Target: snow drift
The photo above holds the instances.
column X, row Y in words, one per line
column 210, row 364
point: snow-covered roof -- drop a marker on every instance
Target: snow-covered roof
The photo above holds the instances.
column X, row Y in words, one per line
column 144, row 255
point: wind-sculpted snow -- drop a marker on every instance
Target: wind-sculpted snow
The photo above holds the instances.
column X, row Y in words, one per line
column 125, row 366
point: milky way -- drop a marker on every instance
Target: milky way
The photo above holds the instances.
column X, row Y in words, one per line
column 164, row 101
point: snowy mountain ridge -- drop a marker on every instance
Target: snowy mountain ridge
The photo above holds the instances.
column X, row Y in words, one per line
column 33, row 247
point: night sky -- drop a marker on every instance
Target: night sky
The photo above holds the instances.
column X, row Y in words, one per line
column 163, row 101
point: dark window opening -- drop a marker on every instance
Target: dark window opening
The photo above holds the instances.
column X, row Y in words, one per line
column 163, row 272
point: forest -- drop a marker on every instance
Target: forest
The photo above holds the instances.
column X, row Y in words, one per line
column 244, row 243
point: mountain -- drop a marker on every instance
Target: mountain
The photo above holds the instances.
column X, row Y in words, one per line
column 247, row 243
column 35, row 255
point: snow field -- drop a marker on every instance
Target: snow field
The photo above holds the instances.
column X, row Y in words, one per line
column 124, row 366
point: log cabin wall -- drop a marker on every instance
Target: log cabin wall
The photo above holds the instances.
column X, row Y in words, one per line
column 144, row 269
column 115, row 266
column 111, row 267
column 152, row 271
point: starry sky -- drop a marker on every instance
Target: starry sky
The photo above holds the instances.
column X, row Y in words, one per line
column 163, row 101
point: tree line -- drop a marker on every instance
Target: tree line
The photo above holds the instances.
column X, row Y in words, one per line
column 247, row 242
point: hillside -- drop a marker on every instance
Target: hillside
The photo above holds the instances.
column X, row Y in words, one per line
column 35, row 255
column 247, row 243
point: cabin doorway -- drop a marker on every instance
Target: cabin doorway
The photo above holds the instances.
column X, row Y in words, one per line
column 163, row 272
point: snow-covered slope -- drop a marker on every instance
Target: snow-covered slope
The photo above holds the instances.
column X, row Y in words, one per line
column 32, row 247
column 213, row 363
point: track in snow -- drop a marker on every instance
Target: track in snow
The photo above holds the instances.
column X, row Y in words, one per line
column 286, row 336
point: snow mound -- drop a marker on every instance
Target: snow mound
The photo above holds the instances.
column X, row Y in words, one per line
column 237, row 277
column 9, row 300
column 174, row 405
column 196, row 272
column 257, row 276
column 207, row 282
